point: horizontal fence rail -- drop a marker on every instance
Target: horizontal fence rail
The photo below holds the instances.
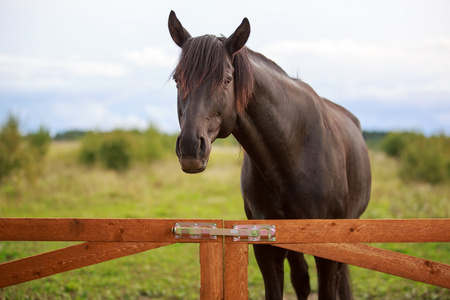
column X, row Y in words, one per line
column 93, row 230
column 288, row 231
column 223, row 261
column 357, row 230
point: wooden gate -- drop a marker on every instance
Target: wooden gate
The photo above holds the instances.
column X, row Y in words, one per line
column 223, row 260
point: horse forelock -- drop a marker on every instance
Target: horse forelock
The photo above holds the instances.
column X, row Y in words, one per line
column 202, row 59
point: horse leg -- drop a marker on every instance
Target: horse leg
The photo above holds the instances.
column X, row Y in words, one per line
column 344, row 288
column 299, row 274
column 327, row 272
column 271, row 263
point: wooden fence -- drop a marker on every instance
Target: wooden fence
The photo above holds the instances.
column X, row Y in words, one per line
column 223, row 261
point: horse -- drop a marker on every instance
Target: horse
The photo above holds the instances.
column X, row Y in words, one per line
column 304, row 156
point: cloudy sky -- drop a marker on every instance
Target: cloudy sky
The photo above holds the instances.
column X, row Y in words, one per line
column 105, row 64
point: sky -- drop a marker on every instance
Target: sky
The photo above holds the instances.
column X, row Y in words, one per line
column 101, row 65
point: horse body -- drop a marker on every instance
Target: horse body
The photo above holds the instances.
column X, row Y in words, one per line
column 305, row 157
column 301, row 152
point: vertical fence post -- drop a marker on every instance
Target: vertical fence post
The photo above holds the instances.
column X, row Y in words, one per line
column 236, row 270
column 211, row 271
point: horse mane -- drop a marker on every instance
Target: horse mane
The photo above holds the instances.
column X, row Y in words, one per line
column 201, row 60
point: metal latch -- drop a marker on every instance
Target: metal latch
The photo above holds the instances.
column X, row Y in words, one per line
column 209, row 231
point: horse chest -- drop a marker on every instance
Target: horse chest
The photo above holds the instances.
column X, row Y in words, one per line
column 301, row 195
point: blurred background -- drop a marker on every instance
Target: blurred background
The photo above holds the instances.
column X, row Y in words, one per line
column 105, row 64
column 88, row 125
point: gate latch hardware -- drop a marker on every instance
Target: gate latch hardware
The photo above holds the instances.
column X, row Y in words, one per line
column 209, row 231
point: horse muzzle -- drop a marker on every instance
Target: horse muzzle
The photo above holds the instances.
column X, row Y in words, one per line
column 193, row 153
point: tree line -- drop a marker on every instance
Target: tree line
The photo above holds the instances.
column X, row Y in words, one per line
column 22, row 155
column 424, row 158
column 420, row 157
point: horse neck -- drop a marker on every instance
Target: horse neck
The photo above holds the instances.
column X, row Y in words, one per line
column 278, row 119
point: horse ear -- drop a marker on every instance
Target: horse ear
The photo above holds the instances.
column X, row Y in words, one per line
column 177, row 31
column 238, row 39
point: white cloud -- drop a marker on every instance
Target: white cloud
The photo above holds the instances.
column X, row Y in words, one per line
column 32, row 83
column 16, row 65
column 151, row 56
column 441, row 84
column 430, row 55
column 39, row 73
column 20, row 73
column 347, row 68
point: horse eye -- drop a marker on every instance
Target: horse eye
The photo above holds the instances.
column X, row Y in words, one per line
column 176, row 79
column 228, row 80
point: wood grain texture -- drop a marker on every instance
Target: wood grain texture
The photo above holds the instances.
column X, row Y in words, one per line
column 356, row 230
column 66, row 259
column 333, row 239
column 379, row 260
column 287, row 231
column 94, row 230
column 236, row 263
column 211, row 271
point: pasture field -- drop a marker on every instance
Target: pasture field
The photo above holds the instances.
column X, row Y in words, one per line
column 161, row 190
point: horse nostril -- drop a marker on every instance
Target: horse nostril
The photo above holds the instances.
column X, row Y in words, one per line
column 177, row 147
column 191, row 147
column 202, row 147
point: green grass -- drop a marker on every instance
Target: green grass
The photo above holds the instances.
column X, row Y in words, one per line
column 162, row 190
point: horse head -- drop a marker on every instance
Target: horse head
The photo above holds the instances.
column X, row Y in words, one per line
column 207, row 91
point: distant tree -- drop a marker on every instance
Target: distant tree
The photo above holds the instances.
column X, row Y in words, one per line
column 69, row 135
column 22, row 155
column 118, row 149
column 421, row 158
column 40, row 140
column 394, row 143
column 9, row 147
column 115, row 152
column 89, row 148
column 373, row 138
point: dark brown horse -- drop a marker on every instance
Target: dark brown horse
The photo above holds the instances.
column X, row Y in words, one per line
column 305, row 157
